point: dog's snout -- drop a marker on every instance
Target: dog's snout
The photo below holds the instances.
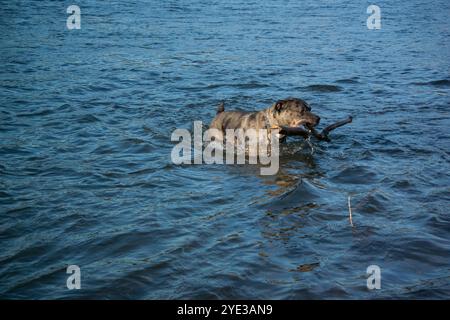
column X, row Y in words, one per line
column 317, row 120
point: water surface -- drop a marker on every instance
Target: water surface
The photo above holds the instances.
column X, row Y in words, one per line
column 85, row 172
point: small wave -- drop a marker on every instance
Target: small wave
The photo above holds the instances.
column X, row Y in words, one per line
column 348, row 81
column 4, row 194
column 304, row 193
column 88, row 119
column 250, row 85
column 323, row 88
column 307, row 267
column 437, row 83
column 355, row 175
column 43, row 112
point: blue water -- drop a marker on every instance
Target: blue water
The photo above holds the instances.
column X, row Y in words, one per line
column 85, row 172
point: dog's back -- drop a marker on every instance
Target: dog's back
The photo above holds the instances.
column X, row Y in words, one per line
column 236, row 119
column 289, row 112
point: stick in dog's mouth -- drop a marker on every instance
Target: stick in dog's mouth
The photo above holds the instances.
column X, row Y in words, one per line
column 304, row 123
column 310, row 130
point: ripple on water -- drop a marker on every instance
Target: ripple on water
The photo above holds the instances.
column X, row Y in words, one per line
column 86, row 176
column 436, row 83
column 323, row 88
column 355, row 174
column 353, row 80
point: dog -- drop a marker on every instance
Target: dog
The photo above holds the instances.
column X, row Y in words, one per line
column 290, row 112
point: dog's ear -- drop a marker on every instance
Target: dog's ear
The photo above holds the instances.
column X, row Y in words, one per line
column 308, row 107
column 278, row 106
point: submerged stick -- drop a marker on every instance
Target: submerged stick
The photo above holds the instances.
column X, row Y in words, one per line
column 297, row 131
column 319, row 135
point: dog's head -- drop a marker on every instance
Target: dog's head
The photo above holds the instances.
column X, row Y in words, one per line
column 293, row 113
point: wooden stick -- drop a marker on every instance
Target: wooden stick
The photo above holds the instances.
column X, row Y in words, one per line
column 294, row 131
column 297, row 131
column 319, row 135
column 336, row 125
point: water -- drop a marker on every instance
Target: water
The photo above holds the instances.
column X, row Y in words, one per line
column 85, row 172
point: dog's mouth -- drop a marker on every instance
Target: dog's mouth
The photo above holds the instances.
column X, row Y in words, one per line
column 304, row 122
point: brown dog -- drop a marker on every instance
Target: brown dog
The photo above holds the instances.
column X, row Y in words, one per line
column 289, row 112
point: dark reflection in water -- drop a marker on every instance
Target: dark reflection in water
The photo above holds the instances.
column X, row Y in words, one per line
column 85, row 172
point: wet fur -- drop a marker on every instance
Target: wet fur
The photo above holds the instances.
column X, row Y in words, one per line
column 289, row 112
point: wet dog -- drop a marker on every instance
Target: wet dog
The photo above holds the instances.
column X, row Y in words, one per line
column 289, row 112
